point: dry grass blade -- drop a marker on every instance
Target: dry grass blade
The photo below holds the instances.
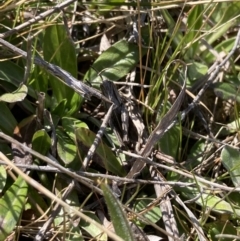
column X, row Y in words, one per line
column 190, row 190
column 157, row 133
column 167, row 210
column 36, row 18
column 52, row 163
column 98, row 137
column 54, row 198
column 41, row 233
column 165, row 206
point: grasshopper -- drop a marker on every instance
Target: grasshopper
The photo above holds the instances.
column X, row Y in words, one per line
column 119, row 121
column 125, row 121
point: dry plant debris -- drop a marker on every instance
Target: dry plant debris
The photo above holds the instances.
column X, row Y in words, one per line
column 119, row 120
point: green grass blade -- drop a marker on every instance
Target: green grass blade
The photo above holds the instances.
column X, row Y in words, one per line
column 118, row 217
column 58, row 49
column 11, row 206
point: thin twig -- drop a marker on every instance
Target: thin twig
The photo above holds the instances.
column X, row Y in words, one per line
column 98, row 137
column 85, row 181
column 44, row 228
column 29, row 59
column 161, row 190
column 99, row 175
column 89, row 183
column 36, row 19
column 78, row 86
column 54, row 198
column 212, row 76
column 158, row 132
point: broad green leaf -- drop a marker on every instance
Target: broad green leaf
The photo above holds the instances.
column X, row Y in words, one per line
column 11, row 206
column 66, row 148
column 90, row 228
column 221, row 227
column 234, row 198
column 74, row 234
column 231, row 127
column 205, row 198
column 217, row 204
column 175, row 35
column 39, row 80
column 58, row 111
column 231, row 161
column 14, row 74
column 3, row 178
column 117, row 214
column 225, row 46
column 6, row 150
column 195, row 71
column 169, row 143
column 72, row 200
column 15, row 96
column 196, row 154
column 223, row 19
column 224, row 12
column 194, row 23
column 209, row 200
column 70, row 125
column 39, row 199
column 116, row 62
column 59, row 108
column 59, row 49
column 7, row 120
column 11, row 72
column 111, row 163
column 41, row 142
column 26, row 129
column 11, row 76
column 153, row 214
column 226, row 91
